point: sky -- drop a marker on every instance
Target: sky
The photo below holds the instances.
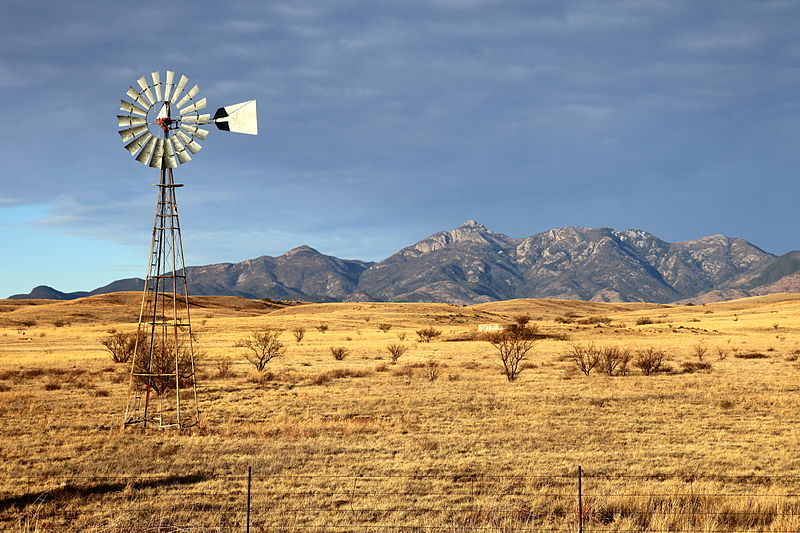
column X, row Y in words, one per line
column 382, row 122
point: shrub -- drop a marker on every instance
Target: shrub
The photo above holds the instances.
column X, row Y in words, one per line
column 595, row 320
column 649, row 360
column 700, row 351
column 613, row 360
column 102, row 393
column 224, row 368
column 52, row 385
column 722, row 353
column 432, row 369
column 299, row 332
column 263, row 346
column 428, row 334
column 751, row 355
column 690, row 367
column 395, row 351
column 322, row 328
column 339, row 352
column 384, row 327
column 122, row 346
column 585, row 357
column 401, row 335
column 643, row 321
column 513, row 345
column 165, row 360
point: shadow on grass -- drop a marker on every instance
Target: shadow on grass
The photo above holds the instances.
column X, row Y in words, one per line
column 70, row 491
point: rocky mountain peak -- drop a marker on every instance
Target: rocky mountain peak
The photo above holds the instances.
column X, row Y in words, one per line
column 300, row 249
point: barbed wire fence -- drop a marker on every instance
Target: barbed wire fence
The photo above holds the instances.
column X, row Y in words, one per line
column 574, row 502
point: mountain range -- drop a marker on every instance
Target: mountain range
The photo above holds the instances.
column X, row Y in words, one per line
column 472, row 264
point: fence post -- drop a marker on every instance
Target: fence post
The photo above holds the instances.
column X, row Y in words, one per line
column 580, row 499
column 249, row 480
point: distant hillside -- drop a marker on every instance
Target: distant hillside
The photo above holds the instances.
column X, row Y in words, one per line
column 472, row 264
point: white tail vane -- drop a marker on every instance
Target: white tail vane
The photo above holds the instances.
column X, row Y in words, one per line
column 238, row 118
column 161, row 124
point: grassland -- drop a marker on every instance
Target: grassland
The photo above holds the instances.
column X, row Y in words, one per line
column 362, row 444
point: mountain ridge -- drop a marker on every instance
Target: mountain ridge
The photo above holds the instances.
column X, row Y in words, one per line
column 473, row 264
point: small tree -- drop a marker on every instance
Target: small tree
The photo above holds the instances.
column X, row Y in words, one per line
column 513, row 345
column 122, row 345
column 396, row 350
column 613, row 360
column 428, row 334
column 700, row 351
column 339, row 352
column 299, row 332
column 263, row 346
column 585, row 357
column 649, row 360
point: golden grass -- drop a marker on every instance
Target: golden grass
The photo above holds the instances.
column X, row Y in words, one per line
column 365, row 442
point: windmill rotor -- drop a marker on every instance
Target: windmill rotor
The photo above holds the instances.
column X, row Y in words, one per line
column 162, row 123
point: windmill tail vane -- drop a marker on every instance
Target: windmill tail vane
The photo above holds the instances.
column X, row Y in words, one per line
column 160, row 130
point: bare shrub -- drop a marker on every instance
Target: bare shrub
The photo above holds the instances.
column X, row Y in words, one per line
column 613, row 360
column 699, row 366
column 339, row 352
column 121, row 346
column 722, row 353
column 751, row 355
column 263, row 346
column 513, row 345
column 700, row 351
column 401, row 335
column 396, row 350
column 595, row 320
column 643, row 321
column 322, row 328
column 432, row 369
column 649, row 360
column 299, row 332
column 224, row 368
column 384, row 327
column 157, row 371
column 428, row 334
column 585, row 357
column 52, row 384
column 339, row 373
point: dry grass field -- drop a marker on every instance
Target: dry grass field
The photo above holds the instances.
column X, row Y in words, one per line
column 438, row 441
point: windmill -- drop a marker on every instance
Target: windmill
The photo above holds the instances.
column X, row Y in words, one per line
column 161, row 129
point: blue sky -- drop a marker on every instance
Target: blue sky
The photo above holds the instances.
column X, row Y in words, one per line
column 382, row 122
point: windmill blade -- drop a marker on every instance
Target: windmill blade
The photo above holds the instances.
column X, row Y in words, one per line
column 181, row 85
column 198, row 119
column 146, row 88
column 157, row 84
column 188, row 96
column 194, row 131
column 147, row 151
column 180, row 150
column 238, row 118
column 136, row 145
column 190, row 144
column 197, row 106
column 125, row 105
column 126, row 121
column 136, row 97
column 130, row 133
column 168, row 85
column 158, row 154
column 169, row 155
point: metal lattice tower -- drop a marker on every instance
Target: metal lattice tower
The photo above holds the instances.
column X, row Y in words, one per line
column 162, row 389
